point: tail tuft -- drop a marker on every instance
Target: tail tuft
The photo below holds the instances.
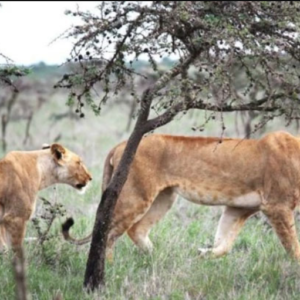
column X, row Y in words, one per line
column 67, row 225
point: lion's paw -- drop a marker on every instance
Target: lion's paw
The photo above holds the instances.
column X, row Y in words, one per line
column 205, row 252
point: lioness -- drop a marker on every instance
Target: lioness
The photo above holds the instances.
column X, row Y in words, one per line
column 22, row 175
column 246, row 176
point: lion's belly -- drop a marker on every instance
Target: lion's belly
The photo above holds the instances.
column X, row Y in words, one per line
column 252, row 199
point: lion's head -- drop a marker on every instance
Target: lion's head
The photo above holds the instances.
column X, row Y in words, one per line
column 70, row 168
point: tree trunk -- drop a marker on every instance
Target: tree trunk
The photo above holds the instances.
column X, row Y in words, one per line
column 94, row 274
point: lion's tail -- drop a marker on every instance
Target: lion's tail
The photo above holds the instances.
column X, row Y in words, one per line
column 107, row 174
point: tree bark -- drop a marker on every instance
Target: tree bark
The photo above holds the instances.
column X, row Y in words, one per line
column 94, row 275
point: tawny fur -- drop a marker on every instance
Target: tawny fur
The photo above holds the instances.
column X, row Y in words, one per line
column 22, row 175
column 245, row 176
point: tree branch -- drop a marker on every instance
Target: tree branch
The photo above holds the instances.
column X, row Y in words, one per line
column 168, row 115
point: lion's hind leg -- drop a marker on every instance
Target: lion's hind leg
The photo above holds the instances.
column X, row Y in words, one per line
column 139, row 232
column 283, row 222
column 131, row 207
column 16, row 230
column 230, row 225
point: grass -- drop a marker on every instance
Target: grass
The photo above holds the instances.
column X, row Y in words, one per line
column 257, row 268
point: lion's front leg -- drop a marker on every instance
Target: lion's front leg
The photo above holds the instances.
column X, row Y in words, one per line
column 15, row 231
column 282, row 219
column 230, row 224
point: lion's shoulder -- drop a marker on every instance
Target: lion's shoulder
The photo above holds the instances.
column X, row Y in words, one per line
column 9, row 160
column 18, row 158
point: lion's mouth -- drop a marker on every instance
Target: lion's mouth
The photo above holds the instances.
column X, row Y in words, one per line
column 80, row 186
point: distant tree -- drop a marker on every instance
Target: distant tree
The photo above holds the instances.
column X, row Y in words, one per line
column 8, row 71
column 232, row 46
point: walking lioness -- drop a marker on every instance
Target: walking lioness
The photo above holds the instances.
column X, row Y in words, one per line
column 245, row 176
column 22, row 175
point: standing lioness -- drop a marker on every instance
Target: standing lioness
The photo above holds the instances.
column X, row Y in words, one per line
column 243, row 175
column 22, row 175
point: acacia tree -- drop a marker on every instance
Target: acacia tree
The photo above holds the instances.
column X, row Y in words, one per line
column 8, row 71
column 256, row 39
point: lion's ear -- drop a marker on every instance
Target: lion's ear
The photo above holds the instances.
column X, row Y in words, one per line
column 57, row 151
